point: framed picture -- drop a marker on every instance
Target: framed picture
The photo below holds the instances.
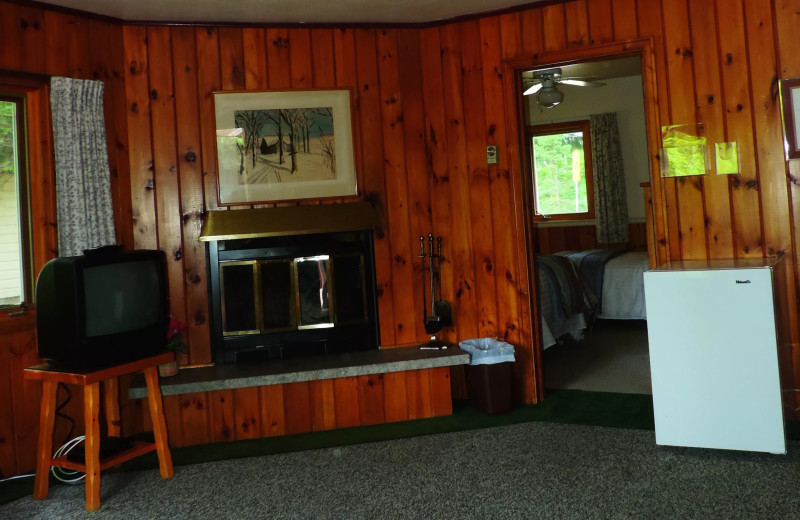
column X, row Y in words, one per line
column 284, row 145
column 790, row 109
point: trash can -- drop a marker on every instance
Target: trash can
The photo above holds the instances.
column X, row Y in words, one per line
column 489, row 374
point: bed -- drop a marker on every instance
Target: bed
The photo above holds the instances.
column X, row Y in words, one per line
column 577, row 287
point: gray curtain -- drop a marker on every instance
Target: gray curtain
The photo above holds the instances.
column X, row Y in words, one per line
column 610, row 201
column 83, row 184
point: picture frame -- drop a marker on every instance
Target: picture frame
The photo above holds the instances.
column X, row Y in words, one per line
column 284, row 145
column 790, row 111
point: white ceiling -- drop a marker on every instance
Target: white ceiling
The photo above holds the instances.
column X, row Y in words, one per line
column 283, row 11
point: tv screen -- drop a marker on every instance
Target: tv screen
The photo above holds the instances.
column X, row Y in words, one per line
column 103, row 308
column 121, row 297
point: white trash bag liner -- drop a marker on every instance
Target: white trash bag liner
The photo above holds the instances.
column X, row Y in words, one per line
column 487, row 351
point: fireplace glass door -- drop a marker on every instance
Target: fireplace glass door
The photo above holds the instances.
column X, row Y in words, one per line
column 313, row 291
column 276, row 290
column 292, row 296
column 321, row 291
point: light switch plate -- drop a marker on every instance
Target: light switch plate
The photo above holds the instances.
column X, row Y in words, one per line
column 491, row 154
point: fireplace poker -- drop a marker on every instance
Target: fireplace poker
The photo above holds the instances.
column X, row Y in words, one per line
column 432, row 322
column 422, row 256
column 441, row 308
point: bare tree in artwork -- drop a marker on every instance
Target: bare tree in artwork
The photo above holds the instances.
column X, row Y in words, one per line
column 304, row 122
column 329, row 153
column 328, row 147
column 274, row 117
column 324, row 112
column 251, row 121
column 292, row 117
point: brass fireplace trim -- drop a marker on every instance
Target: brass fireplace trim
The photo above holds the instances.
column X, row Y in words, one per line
column 288, row 220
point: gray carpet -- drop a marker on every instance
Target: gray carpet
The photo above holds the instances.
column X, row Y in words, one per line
column 613, row 357
column 530, row 471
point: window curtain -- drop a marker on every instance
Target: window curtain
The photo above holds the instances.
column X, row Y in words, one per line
column 83, row 183
column 610, row 201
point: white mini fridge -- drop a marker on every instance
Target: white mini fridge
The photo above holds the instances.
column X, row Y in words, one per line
column 714, row 355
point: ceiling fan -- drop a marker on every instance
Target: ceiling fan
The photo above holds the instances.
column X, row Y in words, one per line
column 544, row 82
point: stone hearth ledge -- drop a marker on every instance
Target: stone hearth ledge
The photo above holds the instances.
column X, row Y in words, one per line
column 281, row 371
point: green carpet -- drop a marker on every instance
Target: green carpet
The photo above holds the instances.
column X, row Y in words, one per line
column 633, row 411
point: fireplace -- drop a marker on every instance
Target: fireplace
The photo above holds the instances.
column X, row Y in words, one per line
column 291, row 281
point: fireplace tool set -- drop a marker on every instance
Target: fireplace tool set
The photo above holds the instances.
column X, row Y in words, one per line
column 441, row 314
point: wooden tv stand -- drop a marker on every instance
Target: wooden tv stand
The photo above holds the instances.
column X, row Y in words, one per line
column 90, row 381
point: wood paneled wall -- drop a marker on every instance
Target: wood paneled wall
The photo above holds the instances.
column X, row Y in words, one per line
column 421, row 130
column 267, row 411
column 426, row 103
column 36, row 43
column 552, row 239
column 18, row 418
column 717, row 64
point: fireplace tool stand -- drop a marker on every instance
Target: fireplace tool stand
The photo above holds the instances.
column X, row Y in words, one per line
column 441, row 313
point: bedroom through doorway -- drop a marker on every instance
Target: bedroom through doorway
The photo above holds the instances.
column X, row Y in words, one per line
column 589, row 283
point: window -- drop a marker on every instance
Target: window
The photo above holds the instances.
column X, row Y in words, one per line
column 561, row 168
column 15, row 270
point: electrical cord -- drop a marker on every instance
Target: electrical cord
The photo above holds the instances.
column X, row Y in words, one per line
column 15, row 477
column 68, row 476
column 64, row 416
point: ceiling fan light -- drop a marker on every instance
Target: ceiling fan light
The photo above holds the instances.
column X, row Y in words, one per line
column 549, row 97
column 532, row 90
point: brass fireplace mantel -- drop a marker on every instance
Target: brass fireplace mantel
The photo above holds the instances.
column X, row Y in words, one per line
column 288, row 220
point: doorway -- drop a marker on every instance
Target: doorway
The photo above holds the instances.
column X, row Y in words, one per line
column 603, row 349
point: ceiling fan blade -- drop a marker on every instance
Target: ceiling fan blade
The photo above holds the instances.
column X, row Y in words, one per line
column 532, row 90
column 581, row 83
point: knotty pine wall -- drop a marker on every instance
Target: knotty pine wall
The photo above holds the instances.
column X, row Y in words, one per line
column 266, row 411
column 426, row 102
column 34, row 42
column 420, row 156
column 552, row 239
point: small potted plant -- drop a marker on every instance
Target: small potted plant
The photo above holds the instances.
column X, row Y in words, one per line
column 174, row 344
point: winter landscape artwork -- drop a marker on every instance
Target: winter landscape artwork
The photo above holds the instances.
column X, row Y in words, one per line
column 284, row 145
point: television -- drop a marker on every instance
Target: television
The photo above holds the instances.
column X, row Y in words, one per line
column 104, row 308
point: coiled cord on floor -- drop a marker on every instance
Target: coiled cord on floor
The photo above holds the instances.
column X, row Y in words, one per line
column 68, row 476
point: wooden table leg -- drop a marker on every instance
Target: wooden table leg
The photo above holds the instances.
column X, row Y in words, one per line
column 159, row 424
column 111, row 399
column 47, row 417
column 91, row 415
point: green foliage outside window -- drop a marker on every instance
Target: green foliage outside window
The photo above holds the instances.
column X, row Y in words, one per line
column 555, row 170
column 7, row 140
column 10, row 258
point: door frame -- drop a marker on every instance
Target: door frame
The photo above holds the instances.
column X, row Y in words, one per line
column 523, row 195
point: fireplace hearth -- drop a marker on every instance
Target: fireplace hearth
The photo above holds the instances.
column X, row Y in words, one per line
column 292, row 281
